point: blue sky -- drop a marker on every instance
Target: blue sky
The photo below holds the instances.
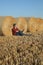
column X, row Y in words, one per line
column 25, row 8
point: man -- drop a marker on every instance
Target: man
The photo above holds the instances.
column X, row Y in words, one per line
column 16, row 31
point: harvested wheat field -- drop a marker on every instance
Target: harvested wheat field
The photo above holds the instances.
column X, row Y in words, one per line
column 21, row 50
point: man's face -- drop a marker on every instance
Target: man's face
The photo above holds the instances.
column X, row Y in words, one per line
column 13, row 26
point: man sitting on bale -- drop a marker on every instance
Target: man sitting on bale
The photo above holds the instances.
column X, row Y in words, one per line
column 16, row 31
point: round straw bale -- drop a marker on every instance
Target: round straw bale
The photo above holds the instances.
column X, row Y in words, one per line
column 22, row 24
column 40, row 22
column 7, row 25
column 33, row 25
column 1, row 22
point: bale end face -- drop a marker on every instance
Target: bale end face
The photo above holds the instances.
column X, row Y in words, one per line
column 35, row 25
column 22, row 24
column 7, row 25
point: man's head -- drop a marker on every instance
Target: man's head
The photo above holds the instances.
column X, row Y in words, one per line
column 14, row 25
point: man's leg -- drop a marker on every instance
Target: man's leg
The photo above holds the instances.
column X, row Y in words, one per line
column 20, row 33
column 17, row 33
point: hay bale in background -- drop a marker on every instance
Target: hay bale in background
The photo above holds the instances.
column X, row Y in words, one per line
column 25, row 24
column 32, row 27
column 22, row 24
column 7, row 25
column 40, row 22
column 1, row 22
column 35, row 25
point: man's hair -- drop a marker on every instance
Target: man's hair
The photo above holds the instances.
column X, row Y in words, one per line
column 14, row 24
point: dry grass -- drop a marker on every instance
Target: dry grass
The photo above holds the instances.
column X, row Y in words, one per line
column 21, row 50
